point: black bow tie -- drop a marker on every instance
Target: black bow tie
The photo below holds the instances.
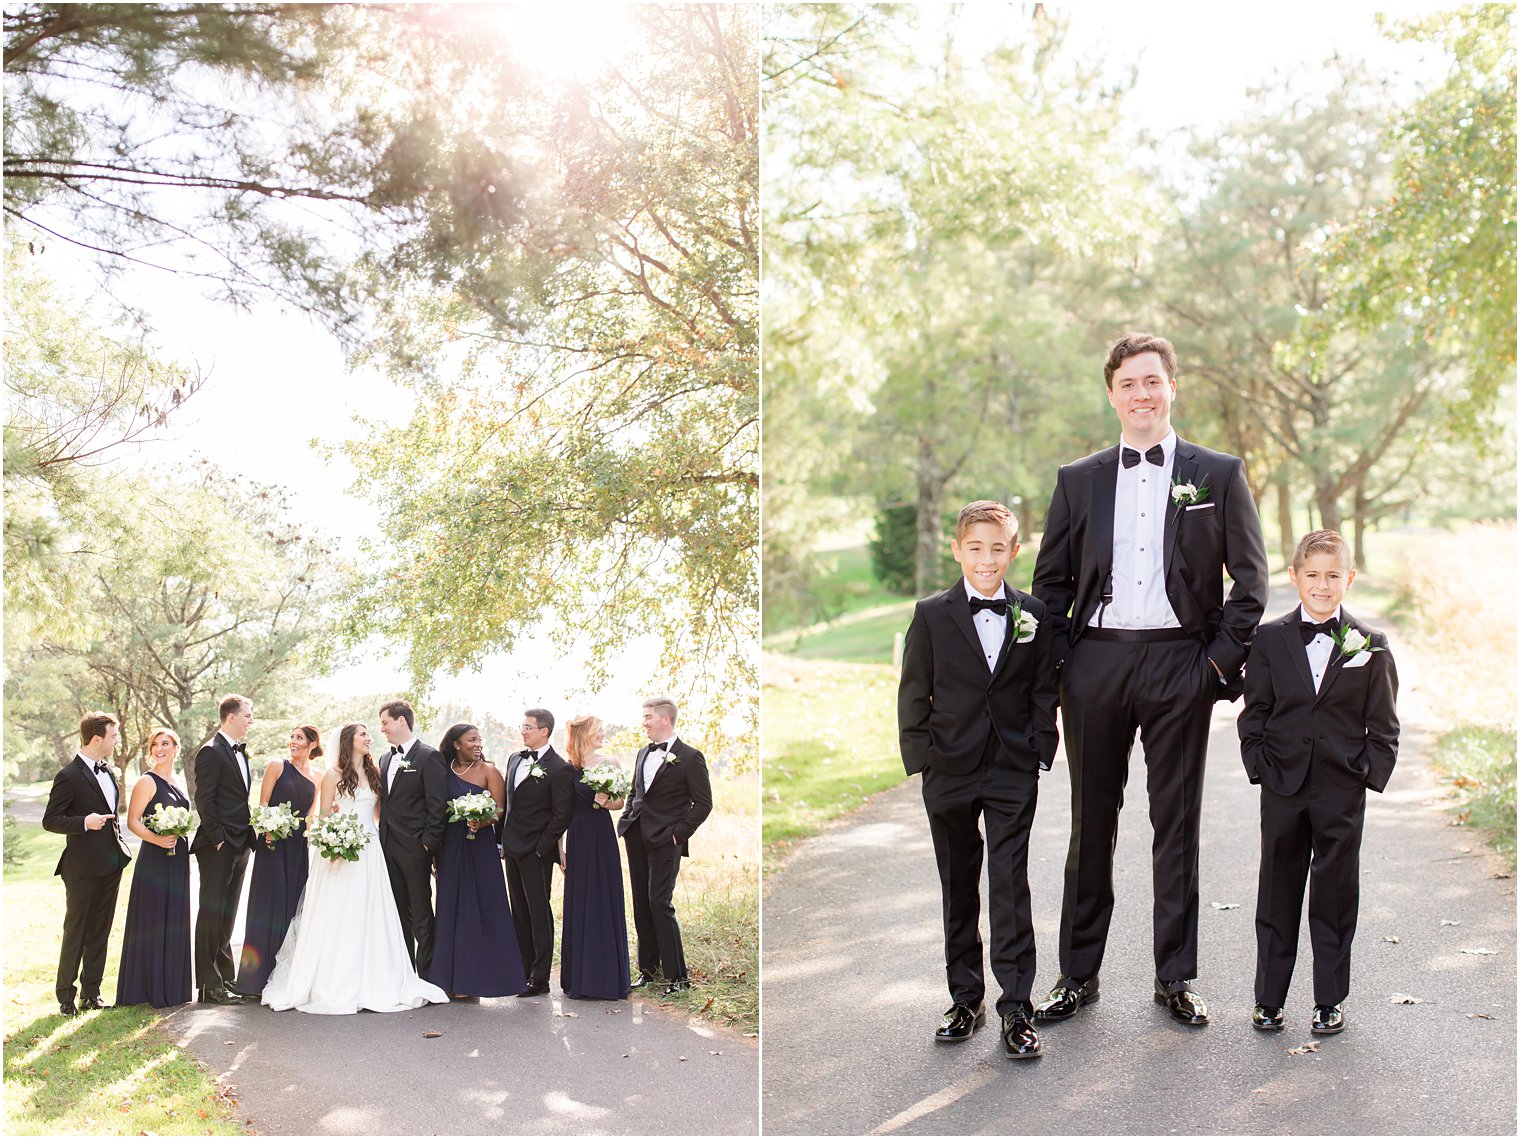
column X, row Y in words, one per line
column 998, row 605
column 658, row 747
column 1310, row 630
column 395, row 750
column 102, row 769
column 1131, row 457
column 241, row 749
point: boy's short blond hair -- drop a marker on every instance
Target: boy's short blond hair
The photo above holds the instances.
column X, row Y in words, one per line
column 1321, row 542
column 985, row 510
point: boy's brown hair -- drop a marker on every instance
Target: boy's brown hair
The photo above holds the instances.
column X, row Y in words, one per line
column 1321, row 542
column 985, row 510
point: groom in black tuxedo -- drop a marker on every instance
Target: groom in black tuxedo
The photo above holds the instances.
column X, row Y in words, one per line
column 221, row 846
column 82, row 805
column 671, row 798
column 413, row 813
column 1137, row 540
column 540, row 794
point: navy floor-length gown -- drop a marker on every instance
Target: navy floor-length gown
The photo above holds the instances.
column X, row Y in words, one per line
column 155, row 947
column 593, row 958
column 279, row 876
column 475, row 950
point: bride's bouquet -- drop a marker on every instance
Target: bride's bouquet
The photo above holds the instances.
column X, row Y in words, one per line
column 477, row 807
column 608, row 778
column 171, row 821
column 274, row 822
column 338, row 836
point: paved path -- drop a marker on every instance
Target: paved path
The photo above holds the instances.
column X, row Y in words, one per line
column 854, row 981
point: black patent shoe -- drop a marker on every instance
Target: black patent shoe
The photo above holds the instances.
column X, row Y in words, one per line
column 218, row 996
column 1184, row 1005
column 679, row 985
column 1268, row 1018
column 1328, row 1020
column 68, row 1008
column 91, row 1004
column 1069, row 995
column 535, row 990
column 644, row 978
column 1020, row 1040
column 959, row 1022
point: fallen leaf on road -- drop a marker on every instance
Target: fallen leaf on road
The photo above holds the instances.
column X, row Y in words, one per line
column 229, row 1041
column 1225, row 905
column 625, row 1055
column 715, row 1053
column 1405, row 999
column 1501, row 875
column 1391, row 940
column 1481, row 952
column 430, row 1035
column 614, row 1012
column 682, row 1059
column 1304, row 1049
column 567, row 1014
column 1480, row 1016
column 1448, row 921
column 750, row 1035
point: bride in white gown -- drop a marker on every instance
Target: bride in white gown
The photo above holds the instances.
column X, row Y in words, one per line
column 344, row 951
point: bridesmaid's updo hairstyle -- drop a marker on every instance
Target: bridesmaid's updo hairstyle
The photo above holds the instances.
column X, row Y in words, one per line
column 314, row 738
column 449, row 747
column 348, row 770
column 580, row 740
column 147, row 760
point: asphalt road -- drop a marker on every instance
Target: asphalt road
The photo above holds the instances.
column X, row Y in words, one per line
column 853, row 981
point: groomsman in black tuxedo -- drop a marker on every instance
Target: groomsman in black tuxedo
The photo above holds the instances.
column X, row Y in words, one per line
column 221, row 846
column 82, row 805
column 413, row 813
column 671, row 798
column 1319, row 729
column 1137, row 540
column 540, row 794
column 976, row 715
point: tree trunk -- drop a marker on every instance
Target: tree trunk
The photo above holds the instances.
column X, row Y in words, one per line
column 1287, row 543
column 1329, row 505
column 931, row 492
column 1359, row 523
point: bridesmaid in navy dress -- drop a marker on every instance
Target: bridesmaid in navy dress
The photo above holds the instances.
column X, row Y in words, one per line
column 594, row 947
column 475, row 950
column 279, row 867
column 155, row 948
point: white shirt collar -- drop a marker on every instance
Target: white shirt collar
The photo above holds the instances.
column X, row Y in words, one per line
column 1303, row 615
column 668, row 743
column 232, row 743
column 1168, row 447
column 973, row 593
column 406, row 747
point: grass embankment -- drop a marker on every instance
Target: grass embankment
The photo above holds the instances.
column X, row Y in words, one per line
column 111, row 1072
column 1456, row 610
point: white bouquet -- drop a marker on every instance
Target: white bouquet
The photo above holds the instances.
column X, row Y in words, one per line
column 477, row 807
column 274, row 822
column 338, row 836
column 176, row 822
column 608, row 778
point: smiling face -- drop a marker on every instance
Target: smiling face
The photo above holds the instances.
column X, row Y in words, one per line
column 985, row 552
column 164, row 747
column 361, row 740
column 657, row 725
column 1322, row 581
column 533, row 736
column 1142, row 393
column 300, row 746
column 395, row 729
column 470, row 747
column 237, row 723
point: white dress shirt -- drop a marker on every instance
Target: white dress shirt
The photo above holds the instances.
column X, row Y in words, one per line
column 522, row 768
column 1140, row 502
column 653, row 759
column 240, row 757
column 991, row 627
column 395, row 769
column 107, row 784
column 1320, row 648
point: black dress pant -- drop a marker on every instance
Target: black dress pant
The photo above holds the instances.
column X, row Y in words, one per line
column 89, row 907
column 1313, row 834
column 1003, row 798
column 1109, row 688
column 221, row 890
column 529, row 880
column 652, row 878
column 410, row 868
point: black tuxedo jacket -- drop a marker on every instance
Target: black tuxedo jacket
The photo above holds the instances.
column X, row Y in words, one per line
column 1350, row 724
column 416, row 807
column 538, row 810
column 86, row 853
column 949, row 703
column 221, row 799
column 1221, row 533
column 675, row 804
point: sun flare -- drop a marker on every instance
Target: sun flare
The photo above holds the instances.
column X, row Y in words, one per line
column 565, row 39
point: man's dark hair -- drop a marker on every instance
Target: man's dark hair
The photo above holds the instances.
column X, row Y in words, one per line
column 542, row 717
column 1133, row 344
column 400, row 710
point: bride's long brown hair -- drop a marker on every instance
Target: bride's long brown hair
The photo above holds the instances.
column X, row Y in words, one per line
column 348, row 773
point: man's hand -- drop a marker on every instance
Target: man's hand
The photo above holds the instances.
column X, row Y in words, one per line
column 94, row 822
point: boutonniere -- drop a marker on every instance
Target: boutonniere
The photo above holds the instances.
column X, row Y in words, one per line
column 1186, row 494
column 400, row 763
column 1351, row 642
column 535, row 771
column 1024, row 626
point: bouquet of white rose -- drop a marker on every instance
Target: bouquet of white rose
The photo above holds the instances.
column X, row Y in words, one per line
column 176, row 822
column 608, row 778
column 478, row 807
column 338, row 836
column 274, row 822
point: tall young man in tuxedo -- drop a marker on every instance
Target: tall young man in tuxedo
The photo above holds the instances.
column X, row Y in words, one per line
column 221, row 846
column 540, row 794
column 1131, row 566
column 413, row 814
column 671, row 798
column 82, row 805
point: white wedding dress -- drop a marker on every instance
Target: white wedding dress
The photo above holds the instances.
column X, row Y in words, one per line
column 344, row 951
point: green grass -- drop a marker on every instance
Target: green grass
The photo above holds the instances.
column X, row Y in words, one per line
column 830, row 742
column 102, row 1073
column 1480, row 764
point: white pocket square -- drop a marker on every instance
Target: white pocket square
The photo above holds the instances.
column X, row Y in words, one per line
column 1357, row 661
column 1202, row 506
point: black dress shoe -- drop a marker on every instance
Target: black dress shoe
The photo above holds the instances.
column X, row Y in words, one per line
column 1328, row 1020
column 1268, row 1018
column 68, row 1008
column 218, row 996
column 1066, row 998
column 1020, row 1040
column 535, row 990
column 642, row 979
column 959, row 1022
column 1186, row 1006
column 90, row 1004
column 679, row 985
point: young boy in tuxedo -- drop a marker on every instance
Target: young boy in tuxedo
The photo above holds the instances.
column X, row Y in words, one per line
column 976, row 715
column 1318, row 729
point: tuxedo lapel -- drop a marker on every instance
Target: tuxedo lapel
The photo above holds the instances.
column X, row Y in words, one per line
column 1337, row 658
column 960, row 613
column 1010, row 636
column 1184, row 469
column 512, row 766
column 87, row 771
column 1297, row 653
column 1100, row 525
